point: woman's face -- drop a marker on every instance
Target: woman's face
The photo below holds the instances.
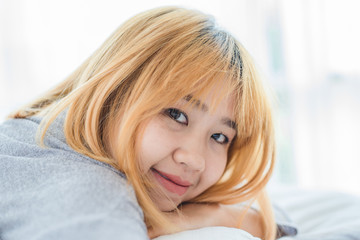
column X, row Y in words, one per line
column 183, row 150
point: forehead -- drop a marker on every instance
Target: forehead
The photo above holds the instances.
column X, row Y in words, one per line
column 224, row 109
column 211, row 102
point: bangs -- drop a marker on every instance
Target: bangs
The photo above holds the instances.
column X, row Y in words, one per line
column 205, row 64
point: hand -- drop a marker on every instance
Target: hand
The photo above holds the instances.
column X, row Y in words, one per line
column 199, row 215
column 190, row 216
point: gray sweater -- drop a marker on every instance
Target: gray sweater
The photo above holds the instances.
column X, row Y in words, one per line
column 57, row 193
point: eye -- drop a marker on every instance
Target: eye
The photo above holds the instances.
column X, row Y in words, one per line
column 177, row 115
column 220, row 138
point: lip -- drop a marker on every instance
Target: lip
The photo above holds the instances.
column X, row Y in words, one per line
column 171, row 182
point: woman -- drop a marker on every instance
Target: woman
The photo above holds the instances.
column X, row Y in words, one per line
column 168, row 114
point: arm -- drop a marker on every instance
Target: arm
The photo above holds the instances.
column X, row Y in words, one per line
column 194, row 216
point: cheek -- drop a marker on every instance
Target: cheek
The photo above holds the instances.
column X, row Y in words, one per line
column 154, row 145
column 215, row 170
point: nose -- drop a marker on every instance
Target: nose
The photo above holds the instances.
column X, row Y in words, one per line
column 191, row 157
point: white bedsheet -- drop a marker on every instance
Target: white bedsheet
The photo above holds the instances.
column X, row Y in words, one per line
column 318, row 215
column 321, row 214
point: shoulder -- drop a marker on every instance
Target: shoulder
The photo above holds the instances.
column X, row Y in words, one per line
column 73, row 200
column 59, row 175
column 49, row 191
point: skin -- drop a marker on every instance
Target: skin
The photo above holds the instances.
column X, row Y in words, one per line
column 195, row 216
column 188, row 145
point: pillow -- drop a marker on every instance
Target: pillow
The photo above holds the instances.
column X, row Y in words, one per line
column 210, row 233
column 285, row 227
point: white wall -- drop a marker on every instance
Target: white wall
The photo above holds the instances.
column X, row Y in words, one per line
column 307, row 51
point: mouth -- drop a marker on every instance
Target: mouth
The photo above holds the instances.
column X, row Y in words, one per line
column 171, row 183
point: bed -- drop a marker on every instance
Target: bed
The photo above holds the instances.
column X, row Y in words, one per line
column 317, row 215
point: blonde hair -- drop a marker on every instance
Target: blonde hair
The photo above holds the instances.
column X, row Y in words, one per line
column 154, row 59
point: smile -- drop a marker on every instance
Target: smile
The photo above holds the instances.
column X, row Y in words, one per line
column 171, row 183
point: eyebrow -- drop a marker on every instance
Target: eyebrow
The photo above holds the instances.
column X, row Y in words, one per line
column 226, row 121
column 197, row 103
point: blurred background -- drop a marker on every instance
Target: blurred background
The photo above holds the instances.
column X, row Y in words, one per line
column 307, row 51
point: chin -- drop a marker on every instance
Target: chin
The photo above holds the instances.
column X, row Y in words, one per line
column 165, row 204
column 168, row 208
